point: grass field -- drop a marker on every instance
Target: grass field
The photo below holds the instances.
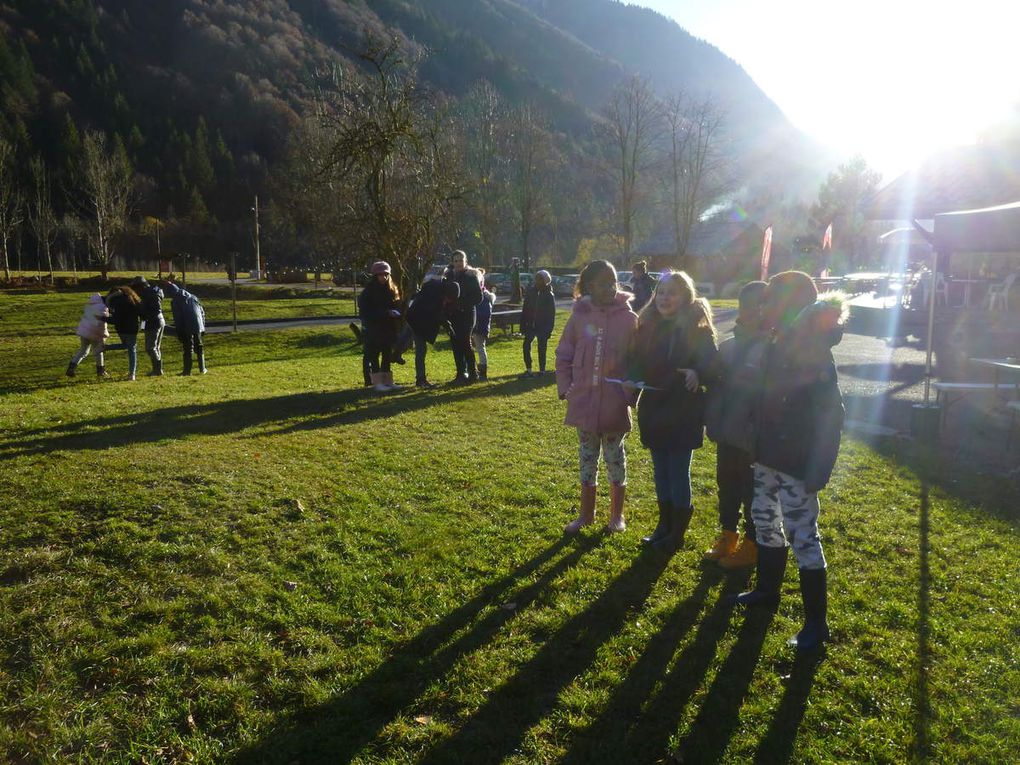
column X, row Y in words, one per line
column 270, row 564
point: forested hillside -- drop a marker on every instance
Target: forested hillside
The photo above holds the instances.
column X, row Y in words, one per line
column 202, row 100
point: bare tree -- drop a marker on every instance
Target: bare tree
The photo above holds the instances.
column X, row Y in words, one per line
column 385, row 161
column 11, row 207
column 484, row 149
column 631, row 125
column 41, row 215
column 106, row 195
column 531, row 156
column 693, row 132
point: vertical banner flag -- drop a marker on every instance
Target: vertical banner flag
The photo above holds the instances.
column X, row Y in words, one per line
column 826, row 245
column 766, row 253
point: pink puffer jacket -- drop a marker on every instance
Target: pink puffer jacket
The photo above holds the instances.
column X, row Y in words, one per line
column 593, row 347
column 91, row 327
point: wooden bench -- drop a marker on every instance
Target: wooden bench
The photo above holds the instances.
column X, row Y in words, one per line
column 505, row 320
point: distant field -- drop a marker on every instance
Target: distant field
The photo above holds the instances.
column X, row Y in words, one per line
column 270, row 564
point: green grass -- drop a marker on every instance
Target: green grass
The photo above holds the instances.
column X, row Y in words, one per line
column 149, row 531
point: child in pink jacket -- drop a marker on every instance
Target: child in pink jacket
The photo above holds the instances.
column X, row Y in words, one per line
column 92, row 331
column 594, row 347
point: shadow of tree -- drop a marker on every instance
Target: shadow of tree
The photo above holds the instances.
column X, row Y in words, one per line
column 312, row 410
column 338, row 730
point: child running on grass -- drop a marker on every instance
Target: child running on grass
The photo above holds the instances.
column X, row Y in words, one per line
column 593, row 347
column 92, row 331
column 798, row 422
column 538, row 316
column 674, row 354
column 729, row 420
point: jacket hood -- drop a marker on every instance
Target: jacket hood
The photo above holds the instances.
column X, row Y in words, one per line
column 823, row 321
column 172, row 289
column 620, row 303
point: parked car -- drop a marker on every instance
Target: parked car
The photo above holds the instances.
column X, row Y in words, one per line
column 563, row 285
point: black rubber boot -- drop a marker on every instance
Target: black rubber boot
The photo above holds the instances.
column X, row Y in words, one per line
column 157, row 368
column 187, row 364
column 483, row 372
column 71, row 369
column 680, row 519
column 201, row 362
column 664, row 525
column 814, row 592
column 101, row 372
column 770, row 569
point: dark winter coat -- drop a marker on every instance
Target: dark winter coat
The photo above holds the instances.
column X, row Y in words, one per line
column 642, row 286
column 470, row 288
column 430, row 308
column 189, row 315
column 729, row 416
column 538, row 314
column 374, row 305
column 124, row 314
column 152, row 305
column 672, row 417
column 800, row 411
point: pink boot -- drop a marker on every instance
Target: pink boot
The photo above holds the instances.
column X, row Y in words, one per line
column 617, row 493
column 586, row 517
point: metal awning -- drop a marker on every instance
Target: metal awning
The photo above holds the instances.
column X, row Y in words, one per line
column 988, row 229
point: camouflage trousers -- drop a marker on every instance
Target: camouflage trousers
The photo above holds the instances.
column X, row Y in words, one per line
column 784, row 511
column 610, row 446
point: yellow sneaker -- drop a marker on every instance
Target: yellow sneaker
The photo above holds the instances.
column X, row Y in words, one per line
column 725, row 544
column 745, row 555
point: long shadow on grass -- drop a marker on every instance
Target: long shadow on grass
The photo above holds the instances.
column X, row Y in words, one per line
column 719, row 716
column 776, row 746
column 502, row 722
column 607, row 738
column 309, row 411
column 338, row 730
column 922, row 721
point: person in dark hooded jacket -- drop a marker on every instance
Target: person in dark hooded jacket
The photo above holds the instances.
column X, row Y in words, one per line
column 379, row 310
column 125, row 307
column 429, row 312
column 151, row 310
column 189, row 324
column 538, row 317
column 798, row 422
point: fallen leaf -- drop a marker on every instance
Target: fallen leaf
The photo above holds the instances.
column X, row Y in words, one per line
column 423, row 719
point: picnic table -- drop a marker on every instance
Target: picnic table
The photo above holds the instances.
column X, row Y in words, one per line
column 952, row 392
column 506, row 318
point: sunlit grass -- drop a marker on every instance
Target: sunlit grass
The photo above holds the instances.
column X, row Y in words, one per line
column 270, row 564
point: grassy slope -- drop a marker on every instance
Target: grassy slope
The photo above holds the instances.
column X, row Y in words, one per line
column 148, row 531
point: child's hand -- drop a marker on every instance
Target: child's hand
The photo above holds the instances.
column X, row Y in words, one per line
column 691, row 381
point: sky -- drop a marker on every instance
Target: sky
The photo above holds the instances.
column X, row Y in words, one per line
column 893, row 80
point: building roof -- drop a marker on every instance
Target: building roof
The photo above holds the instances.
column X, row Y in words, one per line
column 965, row 177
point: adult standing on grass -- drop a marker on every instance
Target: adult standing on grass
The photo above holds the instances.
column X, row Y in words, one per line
column 125, row 307
column 152, row 315
column 538, row 316
column 483, row 321
column 594, row 346
column 674, row 353
column 92, row 332
column 379, row 310
column 799, row 419
column 189, row 323
column 729, row 421
column 428, row 312
column 642, row 285
column 462, row 321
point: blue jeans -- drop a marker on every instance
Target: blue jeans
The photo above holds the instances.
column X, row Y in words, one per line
column 672, row 469
column 130, row 344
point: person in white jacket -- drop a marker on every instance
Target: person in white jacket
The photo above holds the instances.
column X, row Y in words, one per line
column 92, row 331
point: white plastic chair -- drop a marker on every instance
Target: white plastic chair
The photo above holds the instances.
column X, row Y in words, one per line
column 999, row 293
column 941, row 288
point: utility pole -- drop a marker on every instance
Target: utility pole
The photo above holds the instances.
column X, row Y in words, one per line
column 257, row 272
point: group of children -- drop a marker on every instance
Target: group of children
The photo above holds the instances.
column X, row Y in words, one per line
column 769, row 397
column 459, row 303
column 134, row 307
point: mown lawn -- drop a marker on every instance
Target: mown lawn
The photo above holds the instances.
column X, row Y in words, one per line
column 270, row 564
